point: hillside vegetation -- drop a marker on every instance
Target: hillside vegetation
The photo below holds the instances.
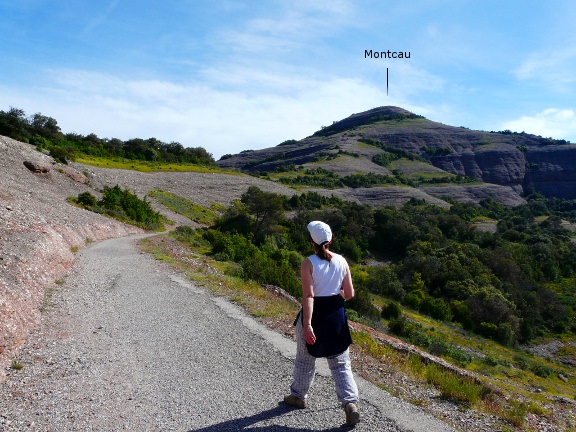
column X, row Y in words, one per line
column 44, row 132
column 513, row 285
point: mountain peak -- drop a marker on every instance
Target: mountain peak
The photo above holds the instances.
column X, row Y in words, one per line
column 367, row 117
column 383, row 110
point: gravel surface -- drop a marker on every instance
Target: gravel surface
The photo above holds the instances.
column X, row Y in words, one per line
column 127, row 344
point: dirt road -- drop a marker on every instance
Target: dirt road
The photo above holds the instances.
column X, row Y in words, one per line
column 127, row 344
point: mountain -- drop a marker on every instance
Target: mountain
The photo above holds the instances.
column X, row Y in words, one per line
column 430, row 160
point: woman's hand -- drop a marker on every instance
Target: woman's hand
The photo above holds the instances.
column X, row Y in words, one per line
column 309, row 335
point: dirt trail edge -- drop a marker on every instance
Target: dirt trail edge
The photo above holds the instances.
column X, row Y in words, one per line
column 127, row 344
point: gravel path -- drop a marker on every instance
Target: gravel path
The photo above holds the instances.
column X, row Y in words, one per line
column 126, row 344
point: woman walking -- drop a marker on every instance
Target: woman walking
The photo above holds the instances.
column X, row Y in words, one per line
column 321, row 326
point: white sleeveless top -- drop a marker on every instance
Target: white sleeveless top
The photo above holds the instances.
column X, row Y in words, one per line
column 327, row 277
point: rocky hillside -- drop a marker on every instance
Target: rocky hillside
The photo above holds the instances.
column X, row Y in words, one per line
column 503, row 165
column 40, row 231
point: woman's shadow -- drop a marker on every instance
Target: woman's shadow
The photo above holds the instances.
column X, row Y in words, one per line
column 242, row 424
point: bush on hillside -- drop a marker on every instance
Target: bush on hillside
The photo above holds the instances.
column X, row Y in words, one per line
column 391, row 311
column 124, row 206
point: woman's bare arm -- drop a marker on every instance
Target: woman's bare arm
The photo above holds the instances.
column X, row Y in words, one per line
column 347, row 286
column 307, row 301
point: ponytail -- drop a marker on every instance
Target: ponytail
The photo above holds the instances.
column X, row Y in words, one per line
column 322, row 250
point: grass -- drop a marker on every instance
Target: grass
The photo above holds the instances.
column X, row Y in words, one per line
column 147, row 166
column 501, row 387
column 16, row 365
column 502, row 365
column 453, row 387
column 185, row 207
column 516, row 413
column 47, row 302
column 513, row 372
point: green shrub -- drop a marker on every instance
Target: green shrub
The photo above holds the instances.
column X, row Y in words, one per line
column 127, row 205
column 87, row 199
column 402, row 326
column 362, row 303
column 63, row 154
column 352, row 315
column 350, row 249
column 488, row 330
column 436, row 308
column 385, row 158
column 541, row 370
column 461, row 313
column 40, row 142
column 522, row 361
column 505, row 335
column 124, row 206
column 230, row 247
column 265, row 270
column 461, row 357
column 490, row 361
column 391, row 311
column 16, row 365
column 414, row 299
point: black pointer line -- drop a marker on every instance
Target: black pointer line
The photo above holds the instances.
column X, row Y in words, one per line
column 386, row 81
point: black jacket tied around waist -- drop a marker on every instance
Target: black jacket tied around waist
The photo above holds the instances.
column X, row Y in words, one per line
column 330, row 326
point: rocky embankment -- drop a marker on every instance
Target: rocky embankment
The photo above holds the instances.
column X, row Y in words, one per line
column 39, row 230
column 38, row 233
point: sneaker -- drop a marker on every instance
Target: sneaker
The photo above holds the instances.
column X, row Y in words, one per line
column 352, row 414
column 295, row 401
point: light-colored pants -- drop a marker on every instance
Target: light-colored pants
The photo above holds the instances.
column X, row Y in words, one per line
column 305, row 369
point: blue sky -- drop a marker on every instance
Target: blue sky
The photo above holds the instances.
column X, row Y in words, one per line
column 236, row 75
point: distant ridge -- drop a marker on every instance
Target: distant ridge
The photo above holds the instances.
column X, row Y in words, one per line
column 502, row 165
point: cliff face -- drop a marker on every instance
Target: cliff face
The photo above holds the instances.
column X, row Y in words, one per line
column 505, row 166
column 552, row 171
column 517, row 163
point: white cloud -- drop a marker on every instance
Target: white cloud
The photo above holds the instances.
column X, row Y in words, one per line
column 555, row 68
column 293, row 25
column 552, row 122
column 220, row 120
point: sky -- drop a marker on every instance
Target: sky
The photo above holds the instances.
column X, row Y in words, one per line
column 244, row 75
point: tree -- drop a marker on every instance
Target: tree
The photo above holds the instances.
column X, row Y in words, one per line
column 266, row 208
column 114, row 146
column 14, row 124
column 46, row 127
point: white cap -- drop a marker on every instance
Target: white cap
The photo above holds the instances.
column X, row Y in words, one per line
column 320, row 232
